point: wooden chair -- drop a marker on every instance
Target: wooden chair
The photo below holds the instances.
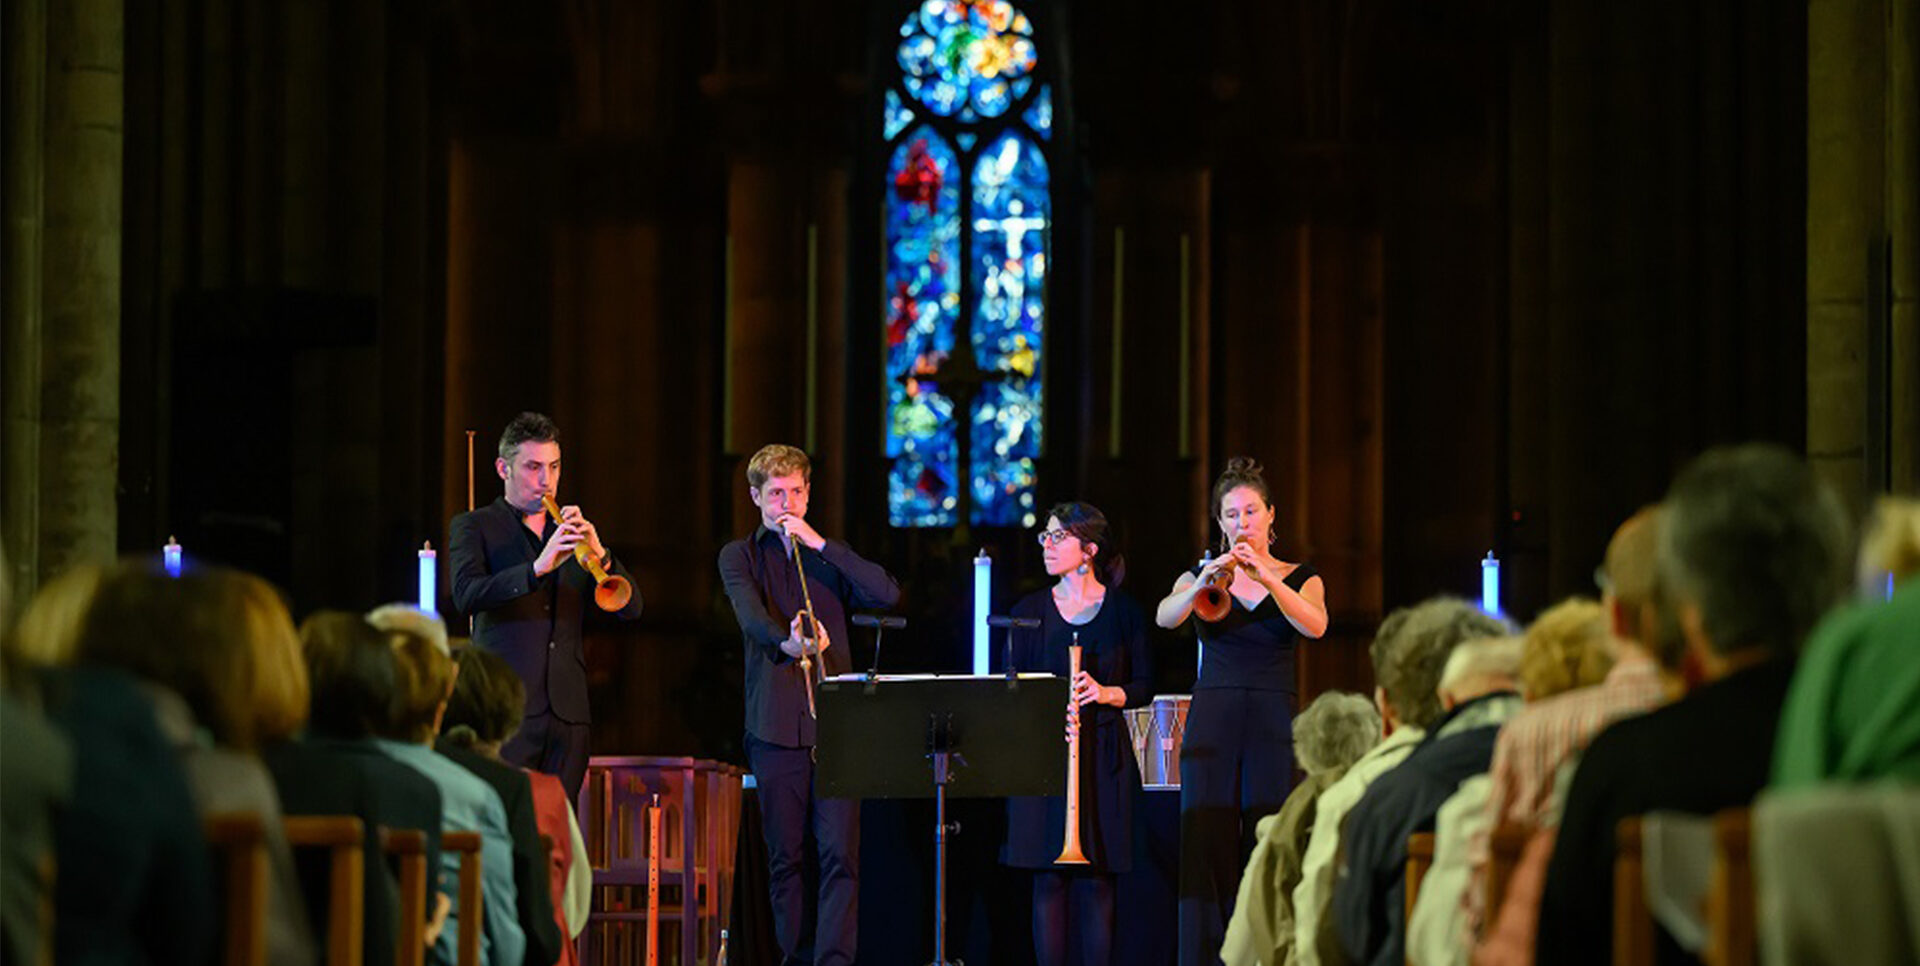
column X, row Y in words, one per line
column 1504, row 847
column 1731, row 931
column 344, row 838
column 1419, row 860
column 701, row 801
column 408, row 847
column 471, row 903
column 1632, row 922
column 239, row 842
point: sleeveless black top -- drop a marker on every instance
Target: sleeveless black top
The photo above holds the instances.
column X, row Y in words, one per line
column 1251, row 649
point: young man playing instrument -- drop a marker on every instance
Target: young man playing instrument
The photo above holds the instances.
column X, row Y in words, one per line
column 762, row 575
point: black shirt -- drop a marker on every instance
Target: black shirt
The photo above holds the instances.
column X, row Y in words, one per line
column 1251, row 649
column 764, row 588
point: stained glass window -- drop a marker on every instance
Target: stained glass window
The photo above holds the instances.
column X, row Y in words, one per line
column 966, row 123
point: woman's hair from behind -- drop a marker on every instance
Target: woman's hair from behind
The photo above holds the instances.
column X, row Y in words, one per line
column 1568, row 646
column 1890, row 547
column 1334, row 731
column 281, row 691
column 350, row 666
column 183, row 633
column 49, row 627
column 423, row 679
column 488, row 698
column 1089, row 526
column 1241, row 471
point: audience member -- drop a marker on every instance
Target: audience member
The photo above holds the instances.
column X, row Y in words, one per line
column 212, row 650
column 1409, row 653
column 535, row 910
column 1328, row 737
column 335, row 769
column 1752, row 550
column 1853, row 710
column 488, row 700
column 1540, row 744
column 1479, row 692
column 36, row 777
column 423, row 683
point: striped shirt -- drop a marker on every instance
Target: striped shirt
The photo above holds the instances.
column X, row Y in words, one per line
column 1535, row 743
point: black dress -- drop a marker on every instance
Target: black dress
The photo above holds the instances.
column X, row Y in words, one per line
column 1114, row 650
column 1236, row 760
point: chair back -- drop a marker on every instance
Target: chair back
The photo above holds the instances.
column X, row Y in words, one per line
column 470, row 903
column 1731, row 936
column 239, row 843
column 1419, row 860
column 1632, row 923
column 1504, row 847
column 408, row 848
column 344, row 838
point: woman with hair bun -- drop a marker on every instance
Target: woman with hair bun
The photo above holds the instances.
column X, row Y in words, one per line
column 1236, row 758
column 1114, row 674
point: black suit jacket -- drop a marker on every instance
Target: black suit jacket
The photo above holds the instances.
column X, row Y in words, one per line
column 533, row 623
column 764, row 587
column 324, row 778
column 532, row 889
column 1710, row 750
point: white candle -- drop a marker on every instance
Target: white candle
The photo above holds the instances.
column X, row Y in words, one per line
column 1490, row 584
column 171, row 553
column 428, row 575
column 982, row 596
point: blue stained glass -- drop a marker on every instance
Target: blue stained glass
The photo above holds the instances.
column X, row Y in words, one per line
column 898, row 116
column 972, row 62
column 923, row 302
column 968, row 54
column 1011, row 218
column 1039, row 115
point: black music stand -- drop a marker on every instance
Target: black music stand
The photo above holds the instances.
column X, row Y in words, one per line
column 877, row 737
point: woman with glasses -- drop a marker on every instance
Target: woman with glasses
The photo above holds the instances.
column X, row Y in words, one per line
column 1085, row 598
column 1236, row 757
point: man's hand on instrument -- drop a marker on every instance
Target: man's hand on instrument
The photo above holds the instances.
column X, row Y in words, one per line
column 799, row 529
column 572, row 515
column 559, row 547
column 796, row 647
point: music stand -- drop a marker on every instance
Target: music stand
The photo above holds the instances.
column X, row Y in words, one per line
column 875, row 736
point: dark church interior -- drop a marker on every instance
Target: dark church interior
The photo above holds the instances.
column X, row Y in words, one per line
column 1467, row 278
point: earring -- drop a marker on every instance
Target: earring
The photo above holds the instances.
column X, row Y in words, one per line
column 1083, row 569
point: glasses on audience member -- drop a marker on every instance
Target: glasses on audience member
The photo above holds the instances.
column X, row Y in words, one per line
column 1049, row 538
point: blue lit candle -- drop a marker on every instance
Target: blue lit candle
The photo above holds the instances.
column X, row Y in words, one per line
column 171, row 554
column 428, row 575
column 1490, row 584
column 982, row 596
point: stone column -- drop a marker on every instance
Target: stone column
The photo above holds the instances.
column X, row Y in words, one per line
column 63, row 200
column 1862, row 168
column 24, row 35
column 1903, row 222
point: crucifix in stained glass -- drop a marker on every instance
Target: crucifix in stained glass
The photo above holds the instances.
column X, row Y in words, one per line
column 968, row 187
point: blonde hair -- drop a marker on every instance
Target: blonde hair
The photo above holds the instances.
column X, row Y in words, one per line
column 49, row 629
column 281, row 689
column 407, row 617
column 1891, row 545
column 1568, row 646
column 423, row 679
column 777, row 459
